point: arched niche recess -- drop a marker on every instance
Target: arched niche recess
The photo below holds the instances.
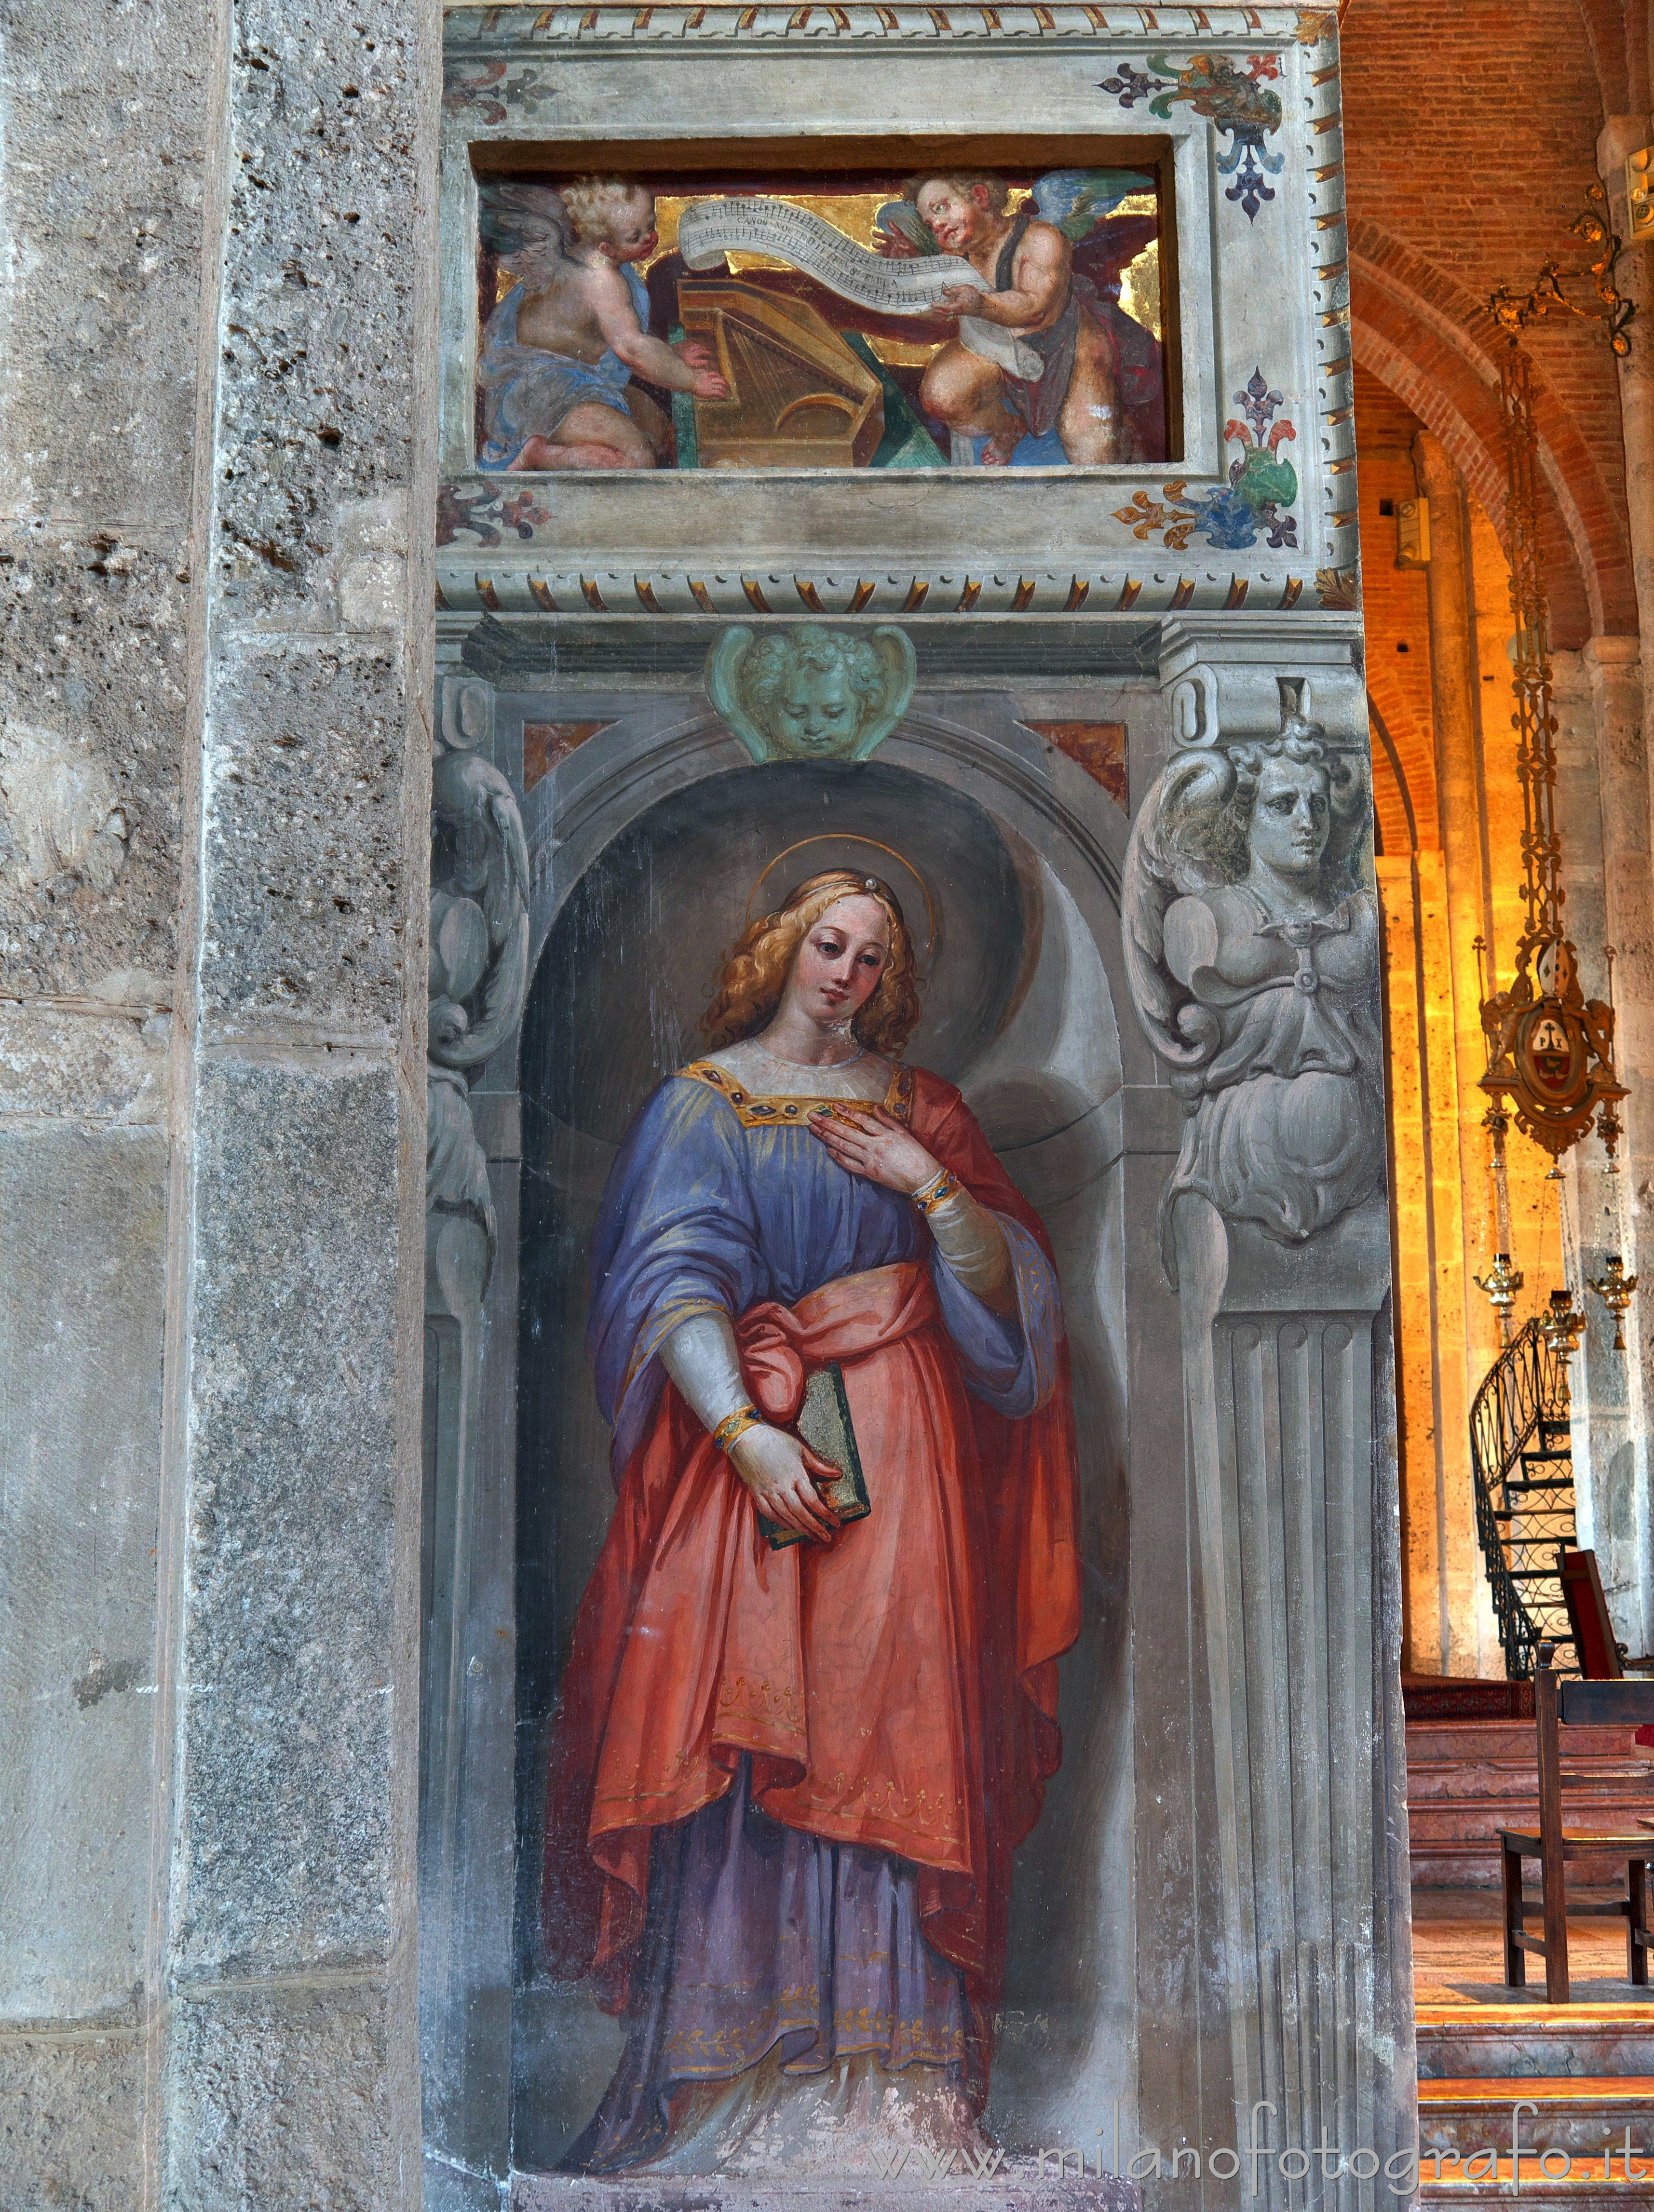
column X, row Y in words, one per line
column 635, row 893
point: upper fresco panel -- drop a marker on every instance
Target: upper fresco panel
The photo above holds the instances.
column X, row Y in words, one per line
column 831, row 318
column 917, row 278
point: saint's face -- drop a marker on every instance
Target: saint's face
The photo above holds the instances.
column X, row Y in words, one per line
column 1291, row 817
column 956, row 219
column 816, row 711
column 839, row 964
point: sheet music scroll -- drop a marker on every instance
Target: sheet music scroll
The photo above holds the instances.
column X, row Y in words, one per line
column 710, row 228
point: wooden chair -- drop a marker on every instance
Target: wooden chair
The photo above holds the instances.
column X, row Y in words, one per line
column 1557, row 1705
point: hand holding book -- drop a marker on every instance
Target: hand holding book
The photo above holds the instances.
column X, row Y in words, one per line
column 824, row 1424
column 788, row 1482
column 811, row 1483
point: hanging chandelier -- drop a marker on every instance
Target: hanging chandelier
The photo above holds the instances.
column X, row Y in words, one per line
column 1550, row 1062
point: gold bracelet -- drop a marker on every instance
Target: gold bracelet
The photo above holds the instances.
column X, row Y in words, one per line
column 942, row 1186
column 735, row 1426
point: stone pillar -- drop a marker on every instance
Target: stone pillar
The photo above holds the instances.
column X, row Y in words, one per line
column 1466, row 1335
column 282, row 1988
column 1626, row 836
column 1607, row 854
column 1279, row 1253
column 99, row 205
column 1621, row 136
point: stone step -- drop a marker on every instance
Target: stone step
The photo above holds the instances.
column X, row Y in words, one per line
column 1494, row 2041
column 1579, row 2113
column 1467, row 1779
column 1502, row 1740
column 1583, row 2190
column 1432, row 1780
column 1485, row 1816
column 1597, row 1811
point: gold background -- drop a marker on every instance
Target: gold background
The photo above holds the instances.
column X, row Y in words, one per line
column 854, row 213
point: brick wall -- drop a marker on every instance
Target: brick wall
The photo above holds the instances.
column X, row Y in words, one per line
column 1395, row 603
column 1471, row 139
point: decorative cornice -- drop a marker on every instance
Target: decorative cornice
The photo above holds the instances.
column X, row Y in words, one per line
column 477, row 28
column 474, row 585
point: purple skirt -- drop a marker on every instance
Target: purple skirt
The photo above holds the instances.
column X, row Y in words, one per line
column 757, row 1935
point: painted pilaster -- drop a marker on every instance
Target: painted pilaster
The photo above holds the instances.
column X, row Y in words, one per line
column 478, row 982
column 1276, row 1238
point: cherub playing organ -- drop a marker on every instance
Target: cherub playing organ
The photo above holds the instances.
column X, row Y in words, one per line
column 561, row 350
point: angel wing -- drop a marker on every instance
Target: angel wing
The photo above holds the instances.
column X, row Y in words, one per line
column 1076, row 200
column 1160, row 869
column 1081, row 203
column 507, row 822
column 529, row 227
column 903, row 220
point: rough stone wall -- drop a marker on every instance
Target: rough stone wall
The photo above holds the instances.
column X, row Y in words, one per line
column 215, row 345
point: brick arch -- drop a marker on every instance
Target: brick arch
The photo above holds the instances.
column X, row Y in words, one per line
column 1470, row 434
column 1425, row 338
column 1617, row 36
column 1395, row 810
column 1404, row 790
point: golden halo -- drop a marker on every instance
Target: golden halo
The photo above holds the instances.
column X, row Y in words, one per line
column 850, row 837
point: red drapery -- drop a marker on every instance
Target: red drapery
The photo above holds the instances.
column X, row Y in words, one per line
column 897, row 1690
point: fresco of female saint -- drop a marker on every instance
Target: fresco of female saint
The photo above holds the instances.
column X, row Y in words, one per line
column 785, row 1785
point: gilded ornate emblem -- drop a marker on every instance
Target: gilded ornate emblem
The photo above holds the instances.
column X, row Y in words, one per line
column 1550, row 1049
column 1551, row 1054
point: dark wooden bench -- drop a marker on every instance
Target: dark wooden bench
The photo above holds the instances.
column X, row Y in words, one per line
column 1557, row 1705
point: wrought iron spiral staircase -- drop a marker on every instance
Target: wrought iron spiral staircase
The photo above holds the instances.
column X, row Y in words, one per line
column 1522, row 1460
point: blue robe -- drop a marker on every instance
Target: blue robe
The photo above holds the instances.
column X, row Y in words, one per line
column 529, row 393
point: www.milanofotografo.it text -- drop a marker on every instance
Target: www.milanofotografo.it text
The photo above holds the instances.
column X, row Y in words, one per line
column 1617, row 2164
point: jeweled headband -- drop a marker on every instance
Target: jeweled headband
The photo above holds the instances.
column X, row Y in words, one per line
column 870, row 883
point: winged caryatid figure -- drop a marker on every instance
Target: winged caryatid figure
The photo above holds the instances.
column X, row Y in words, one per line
column 478, row 971
column 1252, row 952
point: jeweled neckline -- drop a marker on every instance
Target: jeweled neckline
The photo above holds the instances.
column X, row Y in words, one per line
column 809, row 1066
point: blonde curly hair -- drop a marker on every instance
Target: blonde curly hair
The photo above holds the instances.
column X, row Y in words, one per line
column 753, row 974
column 595, row 205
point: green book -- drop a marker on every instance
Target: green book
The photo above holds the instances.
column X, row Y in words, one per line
column 824, row 1424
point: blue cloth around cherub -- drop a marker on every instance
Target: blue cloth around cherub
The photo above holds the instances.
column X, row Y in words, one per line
column 529, row 393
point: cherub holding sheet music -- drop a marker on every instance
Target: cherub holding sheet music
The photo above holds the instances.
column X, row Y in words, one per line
column 562, row 347
column 1035, row 294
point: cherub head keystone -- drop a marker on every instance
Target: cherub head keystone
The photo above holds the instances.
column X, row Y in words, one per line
column 812, row 693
